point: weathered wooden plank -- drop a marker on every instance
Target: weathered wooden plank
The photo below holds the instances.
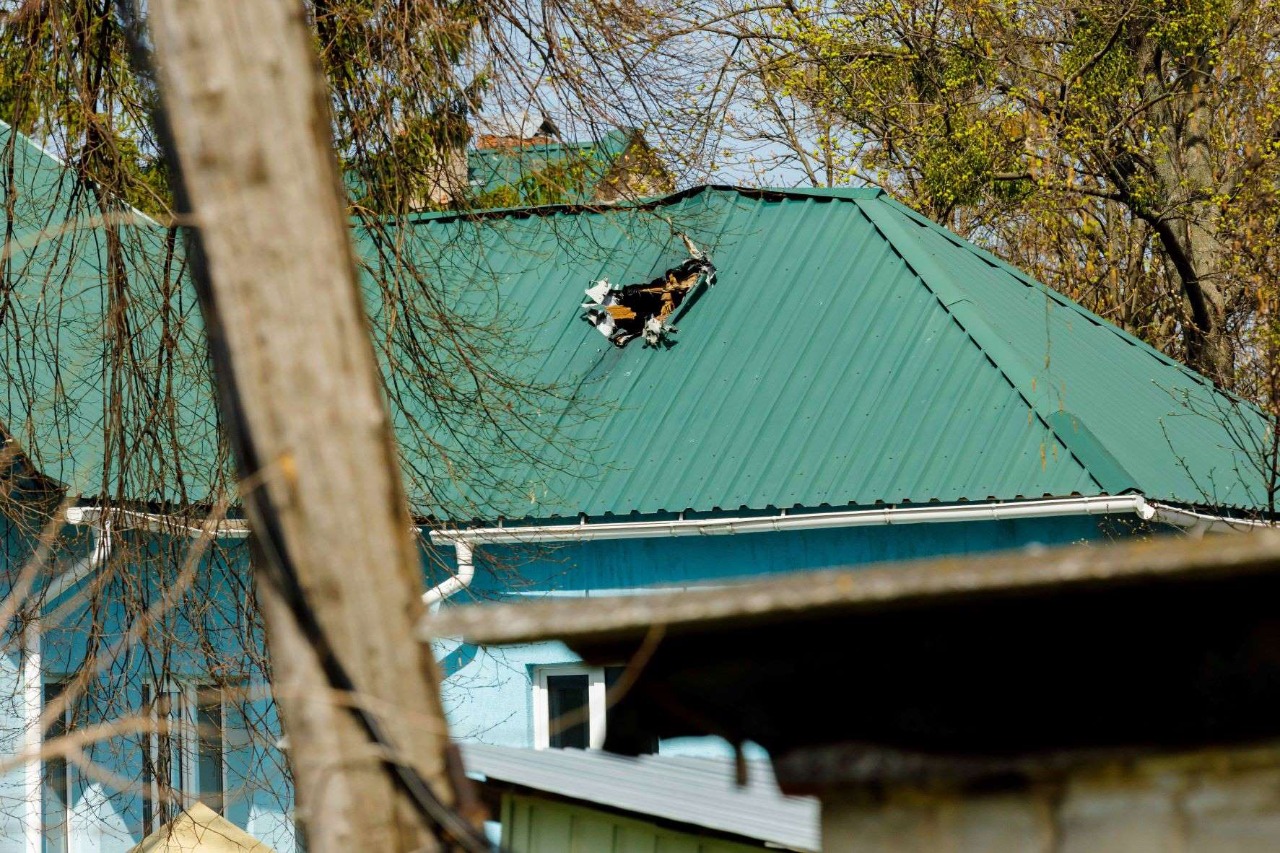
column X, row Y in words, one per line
column 887, row 584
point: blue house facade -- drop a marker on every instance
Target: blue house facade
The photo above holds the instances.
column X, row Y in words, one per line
column 733, row 383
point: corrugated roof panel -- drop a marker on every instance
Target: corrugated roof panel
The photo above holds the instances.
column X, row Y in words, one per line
column 820, row 370
column 53, row 338
column 490, row 169
column 1161, row 424
column 851, row 353
column 696, row 792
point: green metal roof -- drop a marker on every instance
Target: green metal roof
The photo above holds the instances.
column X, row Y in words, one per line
column 575, row 168
column 852, row 353
column 59, row 309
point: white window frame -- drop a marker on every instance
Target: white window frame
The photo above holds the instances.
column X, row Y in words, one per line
column 597, row 702
column 183, row 726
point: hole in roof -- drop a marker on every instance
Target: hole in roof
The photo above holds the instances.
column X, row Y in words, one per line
column 648, row 310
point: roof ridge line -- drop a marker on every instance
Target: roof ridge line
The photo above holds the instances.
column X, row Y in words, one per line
column 1060, row 298
column 843, row 194
column 40, row 149
column 65, row 167
column 1001, row 356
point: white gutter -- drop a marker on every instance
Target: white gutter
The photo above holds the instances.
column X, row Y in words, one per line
column 585, row 532
column 227, row 528
column 464, row 541
column 1198, row 523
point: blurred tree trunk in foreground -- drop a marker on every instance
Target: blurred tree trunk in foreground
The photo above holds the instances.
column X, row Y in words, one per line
column 339, row 575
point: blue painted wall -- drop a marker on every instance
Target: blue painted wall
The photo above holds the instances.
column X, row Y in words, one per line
column 102, row 817
column 488, row 691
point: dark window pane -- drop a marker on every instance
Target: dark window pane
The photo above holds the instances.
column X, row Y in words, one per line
column 148, row 768
column 567, row 701
column 209, row 758
column 627, row 740
column 56, row 790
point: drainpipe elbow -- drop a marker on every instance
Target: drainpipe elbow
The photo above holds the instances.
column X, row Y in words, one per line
column 461, row 580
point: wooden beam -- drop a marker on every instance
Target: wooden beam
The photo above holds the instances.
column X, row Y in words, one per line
column 810, row 594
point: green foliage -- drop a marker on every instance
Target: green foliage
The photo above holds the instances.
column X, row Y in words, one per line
column 1135, row 134
column 65, row 80
column 400, row 104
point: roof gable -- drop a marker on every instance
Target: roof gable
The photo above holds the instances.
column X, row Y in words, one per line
column 200, row 829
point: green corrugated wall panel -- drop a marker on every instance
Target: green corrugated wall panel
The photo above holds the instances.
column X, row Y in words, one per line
column 591, row 832
column 851, row 354
column 550, row 829
column 635, row 839
column 533, row 825
column 670, row 844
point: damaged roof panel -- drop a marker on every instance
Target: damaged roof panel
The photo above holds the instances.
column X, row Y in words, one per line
column 849, row 354
column 817, row 371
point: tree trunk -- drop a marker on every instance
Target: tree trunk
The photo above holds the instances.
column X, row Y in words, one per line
column 247, row 115
column 1187, row 221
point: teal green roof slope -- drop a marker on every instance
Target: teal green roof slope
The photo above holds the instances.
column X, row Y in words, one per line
column 60, row 305
column 851, row 353
column 572, row 170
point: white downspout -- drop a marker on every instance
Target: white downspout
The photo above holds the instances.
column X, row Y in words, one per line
column 434, row 597
column 460, row 581
column 33, row 681
column 32, row 705
column 85, row 566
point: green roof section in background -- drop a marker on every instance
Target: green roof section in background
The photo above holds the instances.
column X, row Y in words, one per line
column 60, row 312
column 851, row 354
column 573, row 170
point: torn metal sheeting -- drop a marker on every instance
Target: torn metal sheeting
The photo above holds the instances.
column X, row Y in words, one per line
column 919, row 582
column 623, row 314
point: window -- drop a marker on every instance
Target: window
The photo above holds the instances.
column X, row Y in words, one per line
column 569, row 711
column 55, row 781
column 185, row 760
column 571, row 706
